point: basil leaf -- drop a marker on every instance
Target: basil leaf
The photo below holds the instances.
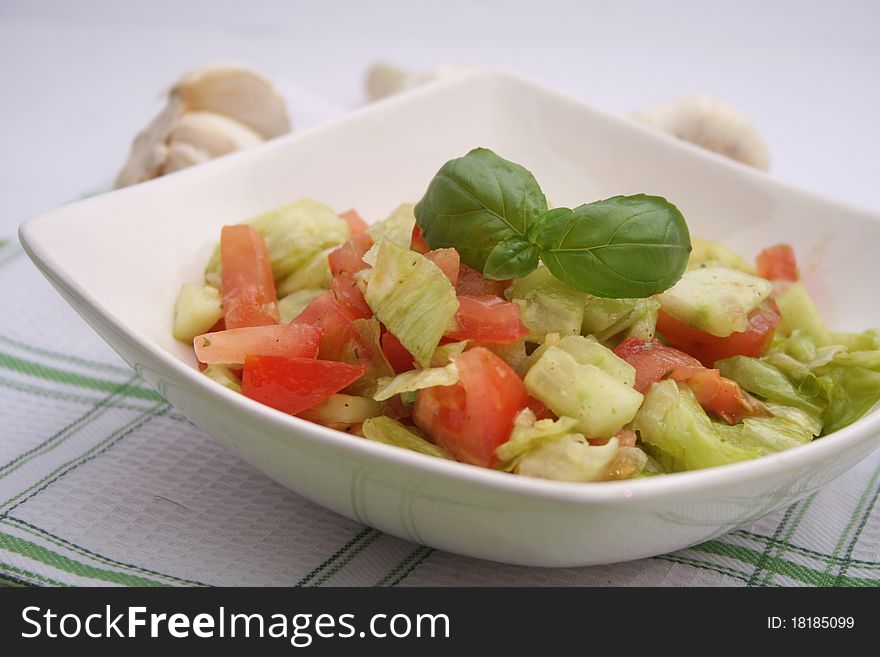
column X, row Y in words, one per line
column 512, row 258
column 476, row 201
column 622, row 247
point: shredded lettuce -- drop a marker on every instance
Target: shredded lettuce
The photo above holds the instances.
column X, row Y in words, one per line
column 294, row 234
column 391, row 432
column 313, row 274
column 829, row 382
column 679, row 434
column 396, row 228
column 568, row 458
column 416, row 380
column 412, row 297
column 528, row 433
column 376, row 365
column 444, row 353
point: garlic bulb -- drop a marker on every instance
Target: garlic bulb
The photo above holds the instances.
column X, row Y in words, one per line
column 711, row 124
column 212, row 111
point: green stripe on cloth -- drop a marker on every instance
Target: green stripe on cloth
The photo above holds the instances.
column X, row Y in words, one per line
column 790, row 569
column 101, row 447
column 50, row 393
column 841, row 575
column 368, row 539
column 9, row 568
column 418, row 558
column 807, row 552
column 38, row 532
column 704, row 565
column 66, row 358
column 39, row 370
column 37, row 552
column 60, row 436
column 784, row 544
column 333, row 557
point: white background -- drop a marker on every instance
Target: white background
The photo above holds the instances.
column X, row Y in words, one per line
column 79, row 79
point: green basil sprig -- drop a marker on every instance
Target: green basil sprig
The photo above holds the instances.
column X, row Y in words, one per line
column 495, row 215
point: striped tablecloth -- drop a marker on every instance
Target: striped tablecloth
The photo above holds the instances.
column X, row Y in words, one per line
column 103, row 483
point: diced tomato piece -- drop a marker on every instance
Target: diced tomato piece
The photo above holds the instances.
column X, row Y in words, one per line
column 708, row 348
column 355, row 223
column 401, row 360
column 233, row 345
column 654, row 361
column 448, row 261
column 350, row 297
column 487, row 319
column 471, row 283
column 418, row 243
column 778, row 263
column 474, row 416
column 723, row 397
column 247, row 285
column 540, row 409
column 349, row 258
column 292, row 385
column 326, row 313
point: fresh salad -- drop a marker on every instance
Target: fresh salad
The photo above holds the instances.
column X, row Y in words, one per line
column 480, row 325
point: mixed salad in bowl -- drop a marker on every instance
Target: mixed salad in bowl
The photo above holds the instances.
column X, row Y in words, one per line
column 589, row 344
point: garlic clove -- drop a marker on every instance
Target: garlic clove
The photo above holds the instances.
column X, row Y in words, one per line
column 711, row 124
column 237, row 92
column 213, row 134
column 149, row 150
column 182, row 155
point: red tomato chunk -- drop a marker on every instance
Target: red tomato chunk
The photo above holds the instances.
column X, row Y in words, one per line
column 247, row 285
column 234, row 345
column 654, row 362
column 398, row 356
column 778, row 263
column 355, row 223
column 474, row 416
column 708, row 348
column 292, row 385
column 487, row 319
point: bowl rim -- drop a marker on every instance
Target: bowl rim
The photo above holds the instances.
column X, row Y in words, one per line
column 660, row 487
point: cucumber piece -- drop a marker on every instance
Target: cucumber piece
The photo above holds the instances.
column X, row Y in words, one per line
column 547, row 305
column 197, row 309
column 588, row 351
column 601, row 404
column 391, row 432
column 709, row 252
column 717, row 300
column 799, row 312
column 343, row 409
column 223, row 375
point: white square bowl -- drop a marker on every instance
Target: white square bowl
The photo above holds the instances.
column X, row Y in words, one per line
column 120, row 258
